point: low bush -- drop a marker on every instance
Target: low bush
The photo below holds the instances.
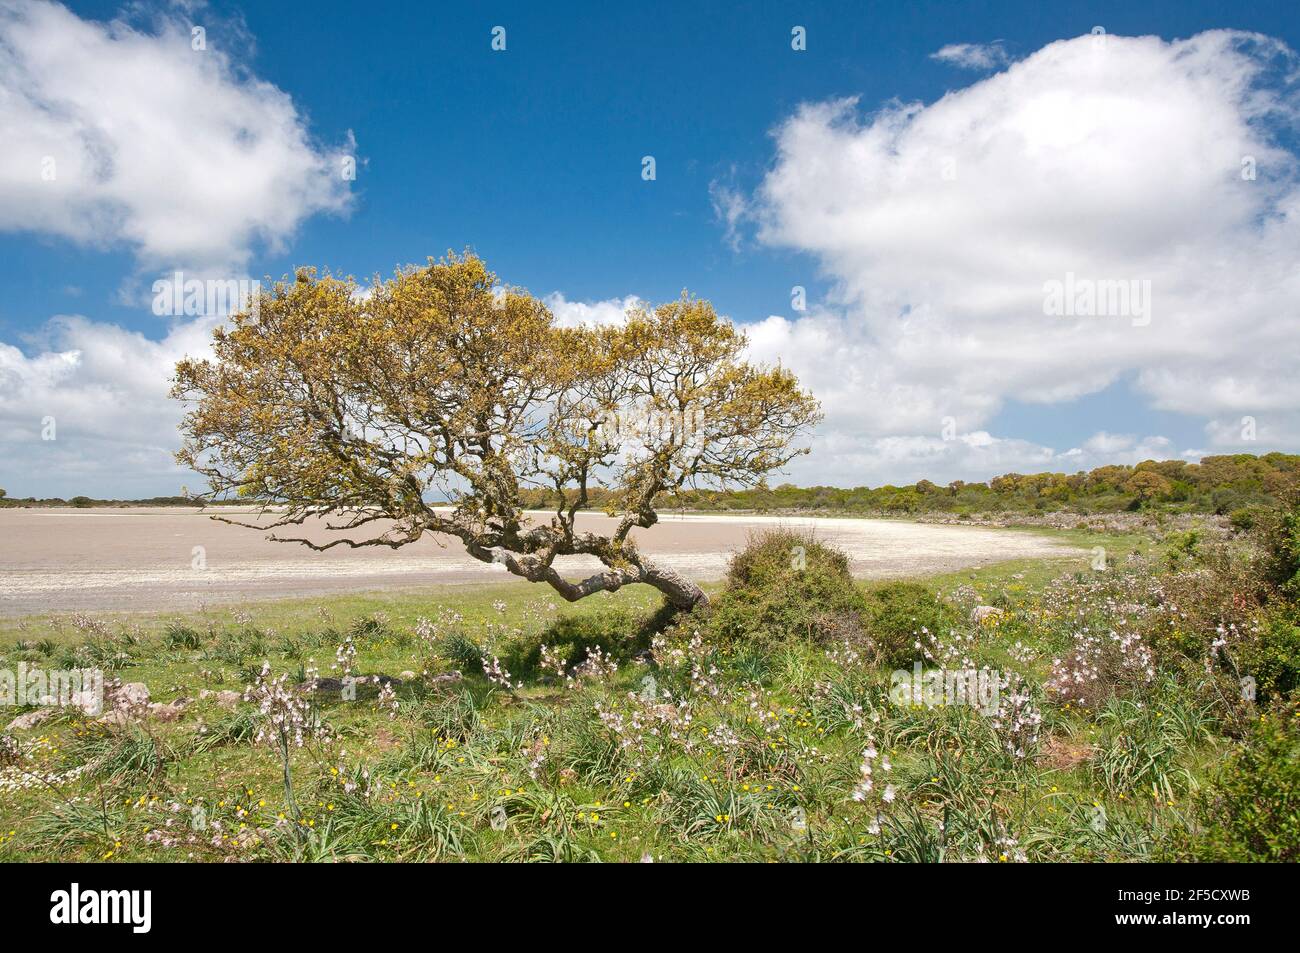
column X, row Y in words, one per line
column 1280, row 539
column 896, row 614
column 1246, row 518
column 1272, row 656
column 784, row 587
column 620, row 635
column 180, row 636
column 462, row 651
column 129, row 754
column 1251, row 809
column 1142, row 746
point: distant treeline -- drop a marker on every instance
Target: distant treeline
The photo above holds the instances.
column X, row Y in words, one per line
column 1220, row 484
column 86, row 501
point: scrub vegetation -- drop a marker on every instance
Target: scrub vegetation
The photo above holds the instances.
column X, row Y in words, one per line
column 1145, row 710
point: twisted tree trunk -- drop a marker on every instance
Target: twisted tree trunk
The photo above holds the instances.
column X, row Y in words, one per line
column 681, row 592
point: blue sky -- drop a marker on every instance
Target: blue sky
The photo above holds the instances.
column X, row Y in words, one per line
column 532, row 157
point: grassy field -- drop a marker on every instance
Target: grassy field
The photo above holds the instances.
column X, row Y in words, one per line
column 591, row 732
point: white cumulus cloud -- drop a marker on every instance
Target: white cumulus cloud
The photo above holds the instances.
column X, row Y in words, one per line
column 1128, row 162
column 89, row 413
column 117, row 136
column 572, row 314
column 975, row 56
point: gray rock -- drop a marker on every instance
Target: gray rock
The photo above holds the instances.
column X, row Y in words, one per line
column 323, row 685
column 330, row 684
column 89, row 703
column 32, row 718
column 169, row 712
column 225, row 698
column 132, row 693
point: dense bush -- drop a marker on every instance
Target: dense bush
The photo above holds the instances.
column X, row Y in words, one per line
column 1247, row 517
column 1251, row 810
column 897, row 612
column 1215, row 590
column 1271, row 652
column 1272, row 656
column 620, row 634
column 785, row 586
column 1280, row 538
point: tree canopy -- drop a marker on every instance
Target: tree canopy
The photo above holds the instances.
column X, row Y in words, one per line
column 434, row 401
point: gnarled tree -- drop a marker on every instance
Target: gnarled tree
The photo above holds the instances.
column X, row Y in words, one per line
column 432, row 402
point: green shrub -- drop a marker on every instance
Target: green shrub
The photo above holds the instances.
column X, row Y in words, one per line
column 1251, row 809
column 1273, row 658
column 620, row 633
column 783, row 587
column 1280, row 538
column 1224, row 589
column 451, row 716
column 1142, row 744
column 129, row 754
column 372, row 627
column 180, row 636
column 1184, row 549
column 235, row 728
column 1246, row 518
column 896, row 612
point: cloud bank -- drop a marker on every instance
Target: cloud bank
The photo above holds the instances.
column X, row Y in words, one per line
column 1100, row 161
column 89, row 414
column 117, row 137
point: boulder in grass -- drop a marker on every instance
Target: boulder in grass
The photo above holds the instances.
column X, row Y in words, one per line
column 326, row 684
column 981, row 613
column 169, row 712
column 225, row 698
column 31, row 719
column 129, row 695
column 89, row 703
column 330, row 684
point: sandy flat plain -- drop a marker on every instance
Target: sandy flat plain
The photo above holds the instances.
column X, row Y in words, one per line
column 141, row 559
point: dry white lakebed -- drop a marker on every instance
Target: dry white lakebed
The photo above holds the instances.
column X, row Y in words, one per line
column 168, row 558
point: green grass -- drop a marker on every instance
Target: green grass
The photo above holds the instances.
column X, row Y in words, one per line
column 766, row 767
column 301, row 616
column 1026, row 574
